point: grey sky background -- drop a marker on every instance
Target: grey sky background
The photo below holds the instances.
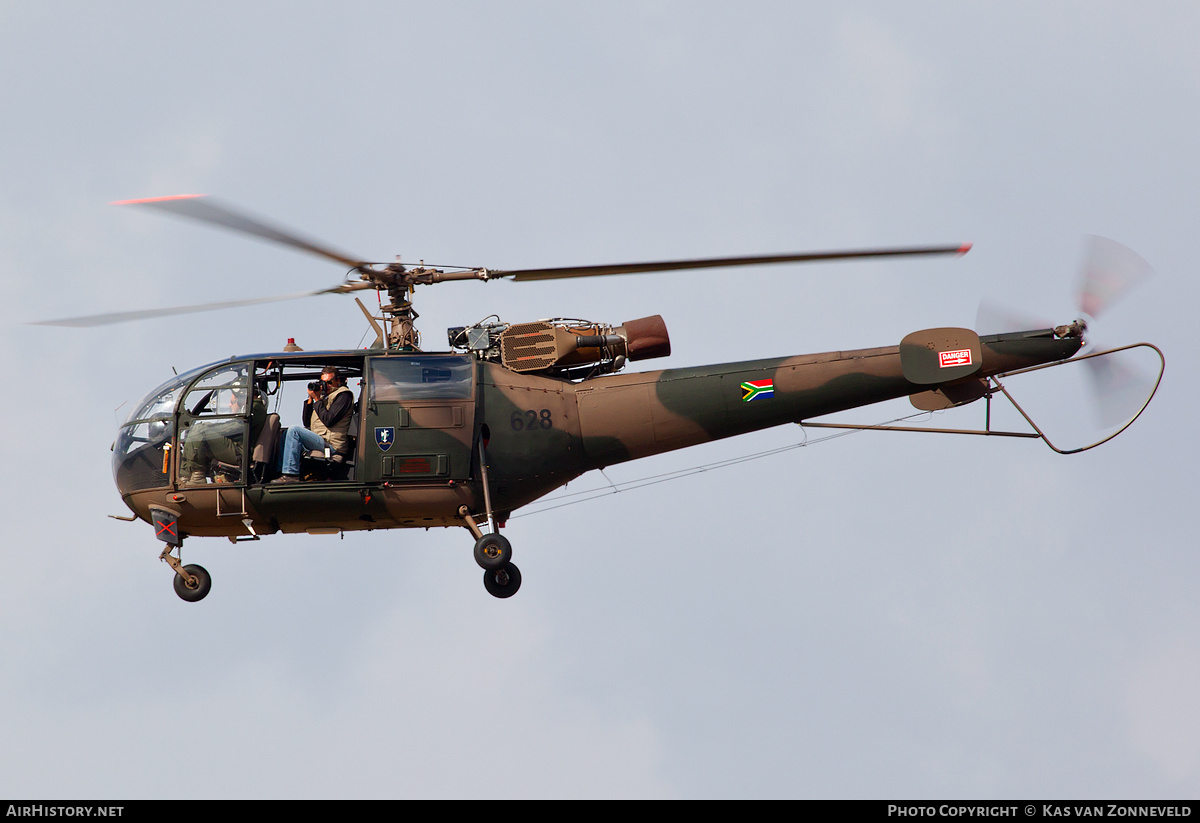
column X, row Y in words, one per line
column 870, row 616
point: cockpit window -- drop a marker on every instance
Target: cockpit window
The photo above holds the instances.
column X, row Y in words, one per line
column 141, row 453
column 212, row 426
column 220, row 392
column 160, row 403
column 422, row 377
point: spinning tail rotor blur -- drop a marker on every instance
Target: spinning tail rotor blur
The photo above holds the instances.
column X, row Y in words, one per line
column 1109, row 271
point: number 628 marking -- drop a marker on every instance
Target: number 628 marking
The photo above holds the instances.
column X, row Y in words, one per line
column 531, row 420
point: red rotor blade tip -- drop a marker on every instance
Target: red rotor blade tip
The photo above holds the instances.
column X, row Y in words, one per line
column 156, row 199
column 964, row 248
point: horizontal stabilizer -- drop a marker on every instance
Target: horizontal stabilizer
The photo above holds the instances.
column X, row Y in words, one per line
column 954, row 394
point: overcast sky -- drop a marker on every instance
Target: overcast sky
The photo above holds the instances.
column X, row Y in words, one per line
column 869, row 616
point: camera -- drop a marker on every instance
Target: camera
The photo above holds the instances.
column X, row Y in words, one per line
column 317, row 386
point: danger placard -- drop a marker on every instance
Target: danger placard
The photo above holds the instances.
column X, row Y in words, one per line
column 961, row 357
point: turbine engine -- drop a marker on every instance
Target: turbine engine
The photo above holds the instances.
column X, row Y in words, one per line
column 566, row 347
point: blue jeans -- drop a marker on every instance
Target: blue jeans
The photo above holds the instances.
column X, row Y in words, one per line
column 298, row 441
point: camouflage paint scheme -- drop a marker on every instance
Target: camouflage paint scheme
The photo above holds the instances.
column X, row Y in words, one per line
column 540, row 432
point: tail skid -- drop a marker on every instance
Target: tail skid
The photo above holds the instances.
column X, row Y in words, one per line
column 993, row 386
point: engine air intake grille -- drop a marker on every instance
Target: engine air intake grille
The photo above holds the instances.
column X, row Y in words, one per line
column 529, row 347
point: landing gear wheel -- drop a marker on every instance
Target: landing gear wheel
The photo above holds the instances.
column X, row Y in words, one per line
column 493, row 552
column 201, row 583
column 502, row 582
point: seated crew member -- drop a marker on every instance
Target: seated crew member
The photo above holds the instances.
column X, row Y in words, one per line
column 220, row 439
column 327, row 418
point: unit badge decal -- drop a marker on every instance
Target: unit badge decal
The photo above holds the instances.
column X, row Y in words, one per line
column 384, row 437
column 757, row 390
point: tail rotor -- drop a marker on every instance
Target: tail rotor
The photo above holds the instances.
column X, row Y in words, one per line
column 1109, row 271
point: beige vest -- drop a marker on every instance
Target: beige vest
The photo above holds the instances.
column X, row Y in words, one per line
column 338, row 436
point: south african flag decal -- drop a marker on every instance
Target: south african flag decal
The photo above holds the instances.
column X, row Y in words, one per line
column 757, row 390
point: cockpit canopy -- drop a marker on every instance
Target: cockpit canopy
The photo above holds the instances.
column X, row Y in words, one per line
column 141, row 457
column 201, row 427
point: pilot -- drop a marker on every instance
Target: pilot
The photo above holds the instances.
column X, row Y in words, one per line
column 326, row 424
column 221, row 439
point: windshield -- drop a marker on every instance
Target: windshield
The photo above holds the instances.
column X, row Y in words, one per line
column 141, row 453
column 160, row 403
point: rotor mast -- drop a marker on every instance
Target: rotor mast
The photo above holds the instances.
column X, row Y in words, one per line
column 399, row 282
column 402, row 333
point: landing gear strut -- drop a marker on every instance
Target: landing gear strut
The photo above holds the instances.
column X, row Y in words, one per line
column 493, row 552
column 191, row 582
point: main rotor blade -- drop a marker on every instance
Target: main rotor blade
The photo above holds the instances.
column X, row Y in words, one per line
column 126, row 316
column 1110, row 270
column 719, row 262
column 206, row 210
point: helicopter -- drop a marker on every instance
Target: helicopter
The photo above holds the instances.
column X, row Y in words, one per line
column 511, row 411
